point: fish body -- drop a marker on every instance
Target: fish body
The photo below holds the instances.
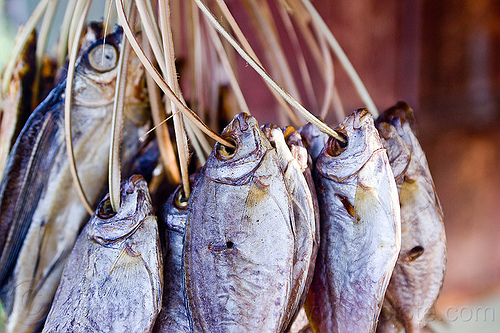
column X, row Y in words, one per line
column 419, row 273
column 16, row 101
column 174, row 315
column 239, row 242
column 306, row 242
column 112, row 281
column 360, row 230
column 40, row 212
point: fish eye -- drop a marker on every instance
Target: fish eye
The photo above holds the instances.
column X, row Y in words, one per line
column 226, row 152
column 336, row 147
column 414, row 253
column 106, row 210
column 103, row 58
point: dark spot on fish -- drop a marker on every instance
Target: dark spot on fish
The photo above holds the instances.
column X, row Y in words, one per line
column 106, row 210
column 414, row 253
column 220, row 247
column 347, row 205
column 336, row 147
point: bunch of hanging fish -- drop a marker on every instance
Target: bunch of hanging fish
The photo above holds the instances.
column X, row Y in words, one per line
column 349, row 230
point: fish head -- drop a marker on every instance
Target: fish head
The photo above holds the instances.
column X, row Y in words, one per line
column 96, row 76
column 397, row 150
column 313, row 138
column 340, row 160
column 400, row 116
column 229, row 165
column 107, row 227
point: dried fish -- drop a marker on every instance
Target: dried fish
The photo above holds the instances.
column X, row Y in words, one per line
column 419, row 273
column 306, row 242
column 174, row 315
column 360, row 229
column 40, row 212
column 113, row 279
column 239, row 242
column 16, row 101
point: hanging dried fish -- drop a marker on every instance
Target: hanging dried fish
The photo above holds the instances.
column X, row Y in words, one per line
column 239, row 242
column 306, row 240
column 174, row 316
column 16, row 100
column 40, row 212
column 113, row 279
column 360, row 230
column 418, row 276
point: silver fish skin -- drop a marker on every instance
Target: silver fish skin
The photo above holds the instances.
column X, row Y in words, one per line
column 174, row 315
column 239, row 242
column 419, row 273
column 112, row 281
column 306, row 243
column 40, row 212
column 314, row 139
column 360, row 230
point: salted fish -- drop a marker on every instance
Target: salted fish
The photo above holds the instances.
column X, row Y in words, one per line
column 419, row 273
column 112, row 281
column 40, row 212
column 239, row 242
column 360, row 230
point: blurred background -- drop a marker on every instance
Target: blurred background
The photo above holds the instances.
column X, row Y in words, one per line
column 443, row 58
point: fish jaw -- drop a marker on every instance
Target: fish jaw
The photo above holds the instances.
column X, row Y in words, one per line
column 343, row 160
column 107, row 227
column 226, row 165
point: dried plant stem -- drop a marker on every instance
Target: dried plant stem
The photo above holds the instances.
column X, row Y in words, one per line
column 67, row 110
column 161, row 83
column 41, row 45
column 171, row 75
column 330, row 79
column 117, row 121
column 342, row 57
column 74, row 35
column 62, row 46
column 332, row 97
column 301, row 61
column 158, row 113
column 270, row 39
column 306, row 114
column 195, row 143
column 151, row 29
column 229, row 69
column 21, row 40
column 241, row 37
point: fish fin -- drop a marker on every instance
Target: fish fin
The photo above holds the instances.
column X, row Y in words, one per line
column 24, row 179
column 365, row 200
column 259, row 192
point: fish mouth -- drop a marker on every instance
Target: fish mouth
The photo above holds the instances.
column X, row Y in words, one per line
column 136, row 179
column 361, row 116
